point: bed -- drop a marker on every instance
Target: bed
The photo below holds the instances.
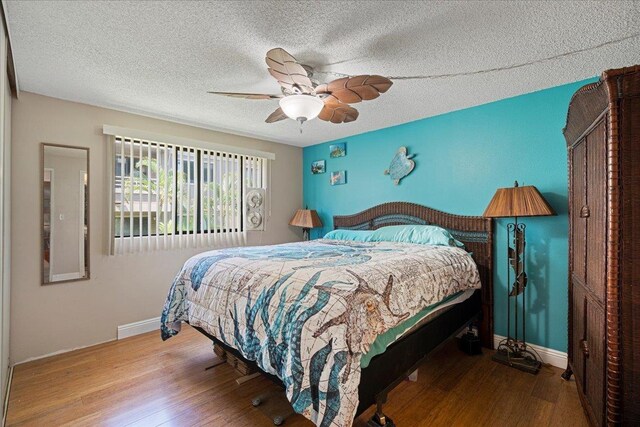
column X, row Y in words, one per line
column 307, row 314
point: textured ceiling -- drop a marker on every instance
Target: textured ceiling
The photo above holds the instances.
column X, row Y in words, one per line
column 160, row 58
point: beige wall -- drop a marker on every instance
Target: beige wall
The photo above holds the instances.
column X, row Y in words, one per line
column 122, row 289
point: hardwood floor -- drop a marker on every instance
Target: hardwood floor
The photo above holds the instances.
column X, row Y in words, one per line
column 142, row 381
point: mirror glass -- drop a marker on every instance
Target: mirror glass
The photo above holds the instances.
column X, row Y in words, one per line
column 65, row 213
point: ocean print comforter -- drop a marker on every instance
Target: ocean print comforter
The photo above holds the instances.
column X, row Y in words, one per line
column 307, row 311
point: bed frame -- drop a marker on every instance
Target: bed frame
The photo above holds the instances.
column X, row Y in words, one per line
column 390, row 368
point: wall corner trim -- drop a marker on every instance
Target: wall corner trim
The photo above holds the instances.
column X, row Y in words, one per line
column 548, row 355
column 137, row 328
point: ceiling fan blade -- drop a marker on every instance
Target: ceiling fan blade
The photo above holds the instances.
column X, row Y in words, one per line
column 303, row 83
column 352, row 90
column 248, row 95
column 276, row 116
column 289, row 73
column 335, row 111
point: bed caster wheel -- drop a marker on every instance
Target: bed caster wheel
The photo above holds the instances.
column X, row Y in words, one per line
column 278, row 420
column 256, row 401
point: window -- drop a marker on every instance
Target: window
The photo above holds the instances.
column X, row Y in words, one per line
column 169, row 191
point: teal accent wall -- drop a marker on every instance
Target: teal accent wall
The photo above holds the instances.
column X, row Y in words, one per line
column 461, row 159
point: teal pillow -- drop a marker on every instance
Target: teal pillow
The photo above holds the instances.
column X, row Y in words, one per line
column 353, row 235
column 420, row 234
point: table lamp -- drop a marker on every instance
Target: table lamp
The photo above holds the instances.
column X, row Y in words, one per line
column 517, row 202
column 307, row 219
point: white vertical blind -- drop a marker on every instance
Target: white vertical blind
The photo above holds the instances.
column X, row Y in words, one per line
column 149, row 191
column 215, row 214
column 118, row 183
column 159, row 195
column 193, row 193
column 234, row 193
column 131, row 190
column 177, row 212
column 140, row 190
column 172, row 196
column 186, row 185
column 203, row 193
column 225, row 184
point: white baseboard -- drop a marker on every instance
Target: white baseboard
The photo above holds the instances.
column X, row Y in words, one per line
column 124, row 331
column 548, row 355
column 137, row 328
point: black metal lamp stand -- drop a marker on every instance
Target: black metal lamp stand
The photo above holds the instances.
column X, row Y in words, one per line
column 513, row 351
column 514, row 202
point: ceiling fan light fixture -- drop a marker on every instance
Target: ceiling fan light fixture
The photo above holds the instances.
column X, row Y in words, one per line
column 301, row 107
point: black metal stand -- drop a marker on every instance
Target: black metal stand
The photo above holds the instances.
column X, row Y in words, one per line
column 513, row 351
column 379, row 419
column 566, row 375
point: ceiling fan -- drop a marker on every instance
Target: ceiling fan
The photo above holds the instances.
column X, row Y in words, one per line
column 304, row 98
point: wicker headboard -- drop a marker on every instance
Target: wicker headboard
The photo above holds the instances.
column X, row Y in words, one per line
column 474, row 231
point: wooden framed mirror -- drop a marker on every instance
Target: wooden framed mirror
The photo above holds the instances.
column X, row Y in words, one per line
column 64, row 183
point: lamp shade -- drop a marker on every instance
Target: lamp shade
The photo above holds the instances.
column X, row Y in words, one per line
column 301, row 107
column 306, row 218
column 518, row 201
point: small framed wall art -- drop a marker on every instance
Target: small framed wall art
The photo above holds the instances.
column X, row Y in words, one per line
column 338, row 150
column 318, row 167
column 338, row 177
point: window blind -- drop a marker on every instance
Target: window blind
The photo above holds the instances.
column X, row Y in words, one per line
column 168, row 196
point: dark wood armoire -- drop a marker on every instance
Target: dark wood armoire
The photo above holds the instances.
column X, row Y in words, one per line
column 603, row 139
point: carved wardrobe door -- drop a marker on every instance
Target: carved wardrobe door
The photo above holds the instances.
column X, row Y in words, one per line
column 603, row 140
column 588, row 241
